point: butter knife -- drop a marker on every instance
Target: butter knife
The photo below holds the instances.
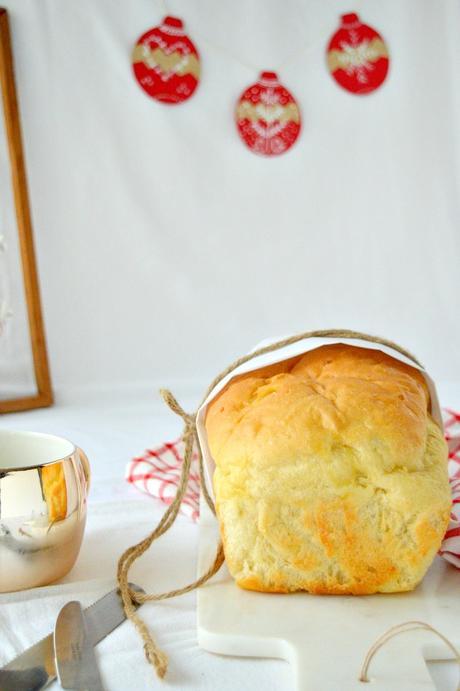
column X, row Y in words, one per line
column 74, row 655
column 35, row 668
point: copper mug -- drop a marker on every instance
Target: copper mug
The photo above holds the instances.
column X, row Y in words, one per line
column 44, row 483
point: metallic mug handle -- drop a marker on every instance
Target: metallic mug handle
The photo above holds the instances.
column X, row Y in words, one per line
column 85, row 466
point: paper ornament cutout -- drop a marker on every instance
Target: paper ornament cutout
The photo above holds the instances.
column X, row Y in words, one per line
column 166, row 62
column 268, row 117
column 357, row 56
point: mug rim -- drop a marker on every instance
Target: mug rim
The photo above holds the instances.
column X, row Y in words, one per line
column 41, row 435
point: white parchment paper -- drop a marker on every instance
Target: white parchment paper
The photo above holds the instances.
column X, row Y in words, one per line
column 286, row 353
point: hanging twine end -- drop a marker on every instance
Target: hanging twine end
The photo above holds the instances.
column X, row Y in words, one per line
column 156, row 658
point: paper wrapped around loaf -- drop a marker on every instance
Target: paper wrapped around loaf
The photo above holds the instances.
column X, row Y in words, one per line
column 331, row 475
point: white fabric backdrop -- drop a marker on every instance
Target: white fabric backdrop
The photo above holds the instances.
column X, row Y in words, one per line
column 166, row 248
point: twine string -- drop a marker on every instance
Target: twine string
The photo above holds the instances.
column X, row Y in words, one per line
column 154, row 655
column 291, row 58
column 403, row 628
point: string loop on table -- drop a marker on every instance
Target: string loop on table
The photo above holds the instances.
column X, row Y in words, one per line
column 403, row 628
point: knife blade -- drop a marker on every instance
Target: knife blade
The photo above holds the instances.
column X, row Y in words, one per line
column 74, row 655
column 35, row 668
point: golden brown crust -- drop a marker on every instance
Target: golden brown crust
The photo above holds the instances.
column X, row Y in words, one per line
column 331, row 476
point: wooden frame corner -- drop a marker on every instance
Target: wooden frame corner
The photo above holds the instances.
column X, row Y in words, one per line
column 44, row 396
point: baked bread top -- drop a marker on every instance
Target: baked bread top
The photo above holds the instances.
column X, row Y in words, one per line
column 331, row 475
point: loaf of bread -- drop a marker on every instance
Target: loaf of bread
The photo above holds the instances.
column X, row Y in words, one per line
column 331, row 474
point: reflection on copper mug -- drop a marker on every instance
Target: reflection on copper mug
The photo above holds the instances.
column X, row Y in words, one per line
column 44, row 483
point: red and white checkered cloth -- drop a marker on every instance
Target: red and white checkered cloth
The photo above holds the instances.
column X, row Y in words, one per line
column 157, row 473
column 450, row 548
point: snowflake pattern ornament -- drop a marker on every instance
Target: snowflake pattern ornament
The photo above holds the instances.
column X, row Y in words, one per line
column 357, row 56
column 267, row 116
column 166, row 62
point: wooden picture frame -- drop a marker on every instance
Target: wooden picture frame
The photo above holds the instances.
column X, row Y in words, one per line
column 42, row 395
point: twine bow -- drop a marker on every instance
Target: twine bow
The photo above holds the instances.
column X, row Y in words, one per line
column 154, row 655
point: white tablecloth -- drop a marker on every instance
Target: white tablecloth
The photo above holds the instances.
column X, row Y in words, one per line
column 111, row 427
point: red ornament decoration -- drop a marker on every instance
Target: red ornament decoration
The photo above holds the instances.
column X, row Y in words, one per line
column 166, row 62
column 357, row 56
column 267, row 116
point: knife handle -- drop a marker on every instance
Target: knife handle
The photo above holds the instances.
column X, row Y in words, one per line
column 23, row 680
